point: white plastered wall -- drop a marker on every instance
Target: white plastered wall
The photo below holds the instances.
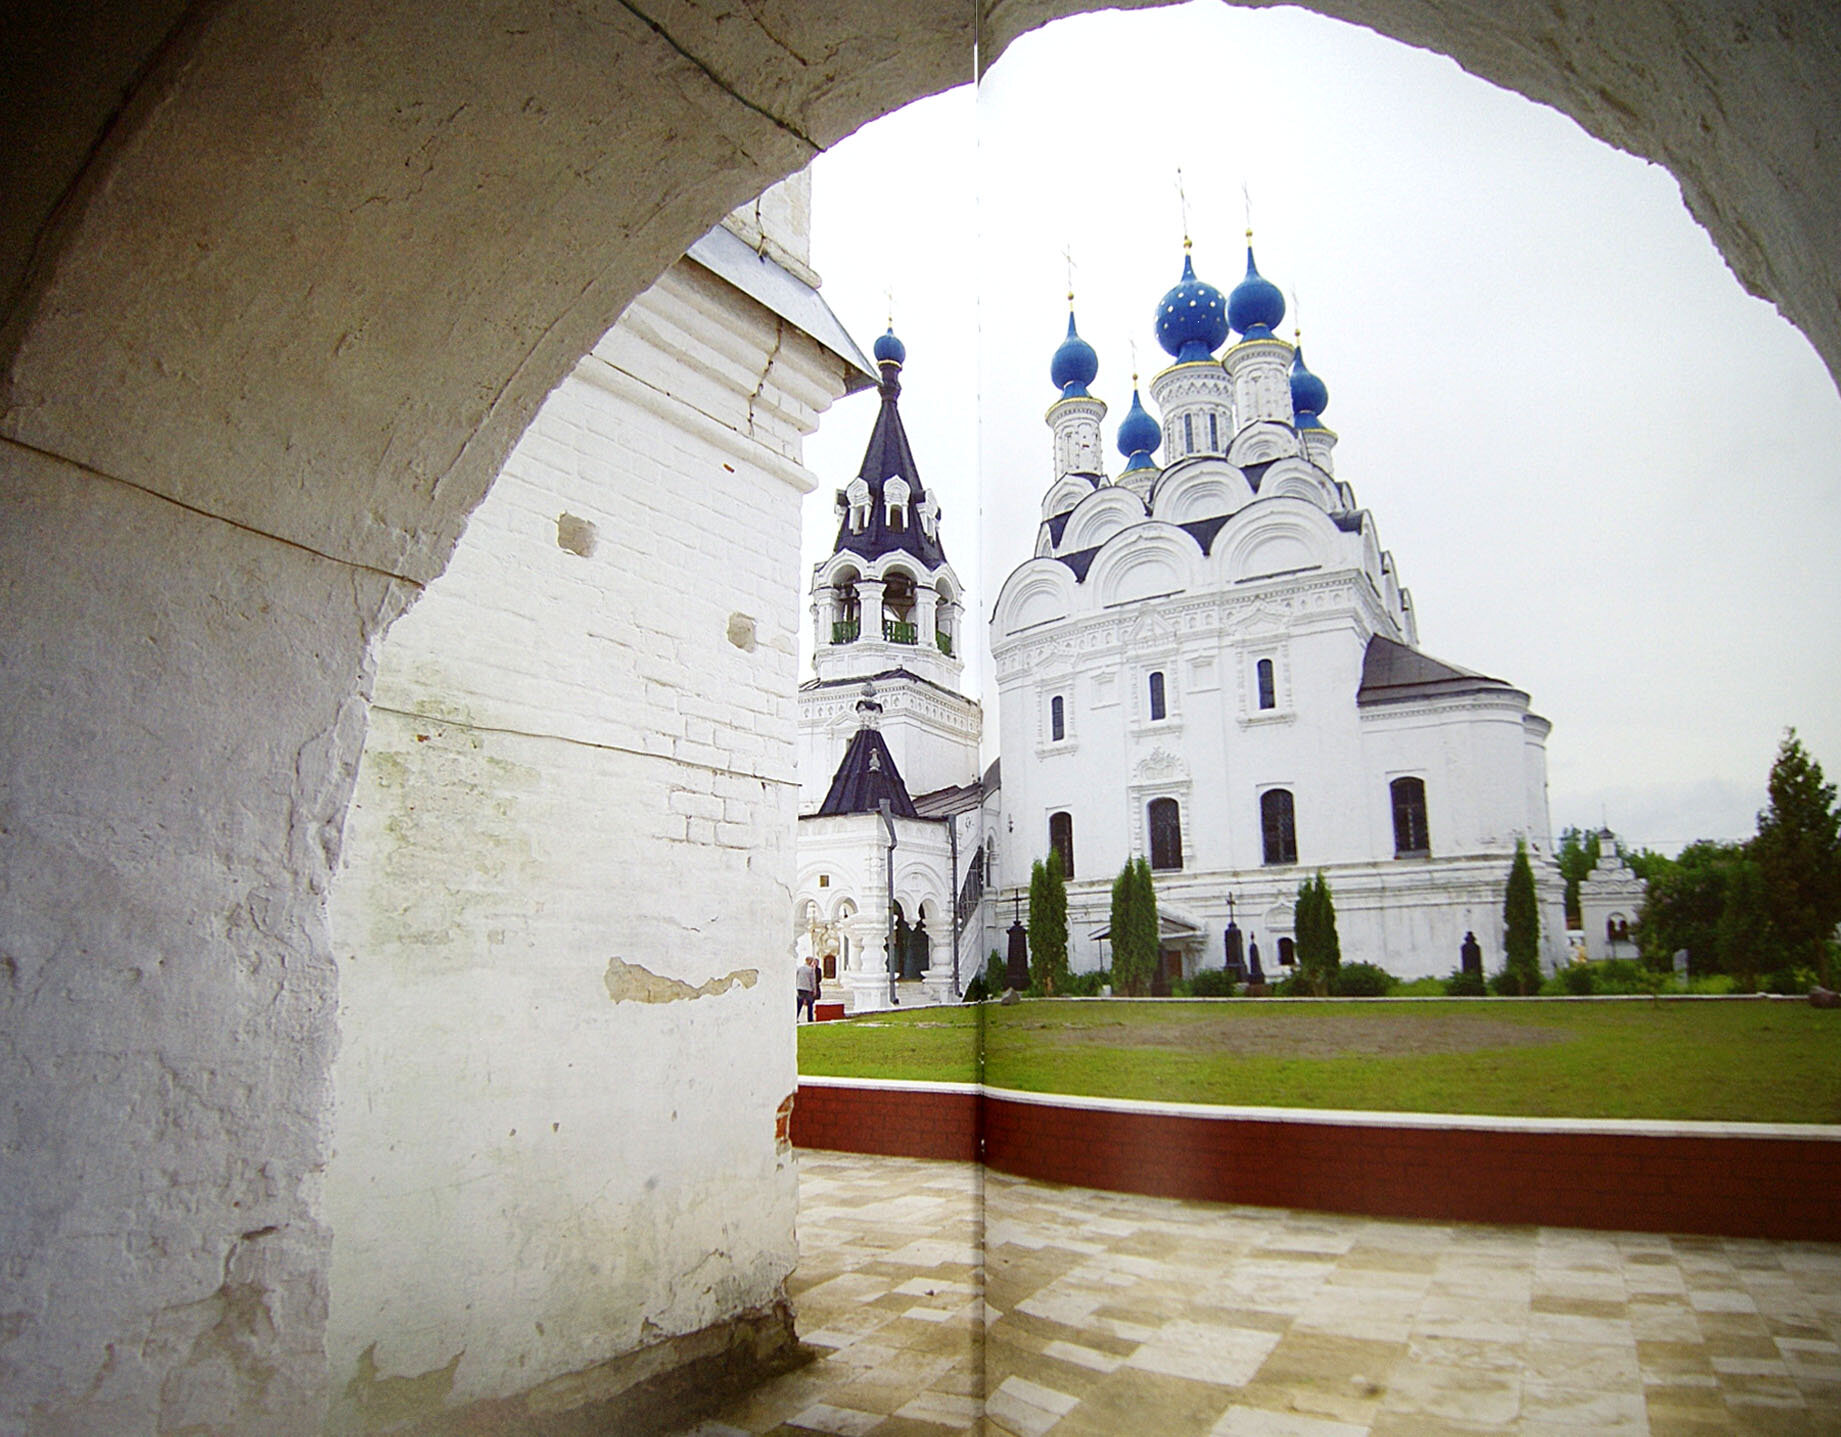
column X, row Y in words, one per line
column 565, row 983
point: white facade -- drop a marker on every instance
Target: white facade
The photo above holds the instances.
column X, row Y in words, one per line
column 1226, row 635
column 887, row 613
column 565, row 992
column 1610, row 903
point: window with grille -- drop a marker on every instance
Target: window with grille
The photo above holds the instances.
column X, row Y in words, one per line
column 1166, row 834
column 1278, row 826
column 1061, row 840
column 1411, row 834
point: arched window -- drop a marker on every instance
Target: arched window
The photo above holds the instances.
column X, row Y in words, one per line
column 1188, row 434
column 1057, row 719
column 1157, row 709
column 1411, row 836
column 1268, row 692
column 1287, row 953
column 1278, row 826
column 1166, row 834
column 1061, row 840
column 1214, row 433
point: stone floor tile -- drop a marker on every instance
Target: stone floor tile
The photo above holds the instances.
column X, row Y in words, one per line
column 1593, row 1410
column 823, row 1417
column 1241, row 1421
column 1150, row 1316
column 1462, row 1394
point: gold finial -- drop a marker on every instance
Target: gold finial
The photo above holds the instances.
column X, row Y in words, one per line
column 1067, row 253
column 1134, row 364
column 1297, row 319
column 1182, row 203
column 1246, row 199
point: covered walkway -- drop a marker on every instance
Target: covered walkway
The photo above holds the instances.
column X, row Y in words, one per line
column 1111, row 1313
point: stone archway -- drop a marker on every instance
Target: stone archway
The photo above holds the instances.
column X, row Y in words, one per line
column 281, row 287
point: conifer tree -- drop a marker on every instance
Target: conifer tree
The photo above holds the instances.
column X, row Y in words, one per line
column 1521, row 918
column 1048, row 926
column 1144, row 917
column 1798, row 857
column 1132, row 960
column 1319, row 949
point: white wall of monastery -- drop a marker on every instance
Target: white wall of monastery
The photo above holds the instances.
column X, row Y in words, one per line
column 565, row 981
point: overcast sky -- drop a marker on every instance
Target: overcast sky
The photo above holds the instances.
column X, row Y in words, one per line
column 1606, row 473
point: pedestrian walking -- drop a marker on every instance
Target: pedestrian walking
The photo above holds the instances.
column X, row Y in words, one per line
column 805, row 991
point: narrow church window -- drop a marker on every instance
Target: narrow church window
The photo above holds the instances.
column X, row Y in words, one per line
column 1287, row 953
column 1061, row 840
column 1411, row 835
column 1268, row 693
column 1166, row 834
column 1157, row 709
column 1057, row 719
column 1214, row 433
column 1278, row 826
column 1188, row 434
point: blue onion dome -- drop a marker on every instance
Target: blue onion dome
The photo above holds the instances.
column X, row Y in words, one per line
column 1075, row 364
column 1192, row 318
column 890, row 350
column 1256, row 307
column 1139, row 434
column 1310, row 396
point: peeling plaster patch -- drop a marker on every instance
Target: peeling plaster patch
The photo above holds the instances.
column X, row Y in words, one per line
column 741, row 632
column 382, row 1403
column 575, row 534
column 630, row 983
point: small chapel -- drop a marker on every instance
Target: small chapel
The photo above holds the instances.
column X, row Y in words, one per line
column 1210, row 660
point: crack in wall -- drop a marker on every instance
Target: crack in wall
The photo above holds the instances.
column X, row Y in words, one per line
column 720, row 83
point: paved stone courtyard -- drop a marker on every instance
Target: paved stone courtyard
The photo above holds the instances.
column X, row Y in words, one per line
column 1114, row 1314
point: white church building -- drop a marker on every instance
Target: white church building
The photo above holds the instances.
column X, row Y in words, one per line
column 1209, row 660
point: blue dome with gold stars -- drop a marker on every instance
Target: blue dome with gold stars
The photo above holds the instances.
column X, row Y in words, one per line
column 890, row 350
column 1139, row 434
column 1075, row 364
column 1191, row 318
column 1256, row 307
column 1310, row 396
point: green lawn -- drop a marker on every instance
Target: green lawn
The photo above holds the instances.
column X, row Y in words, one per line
column 1739, row 1061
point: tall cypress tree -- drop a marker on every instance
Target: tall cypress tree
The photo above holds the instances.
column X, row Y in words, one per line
column 1798, row 857
column 1133, row 958
column 1048, row 926
column 1521, row 918
column 1144, row 917
column 1319, row 949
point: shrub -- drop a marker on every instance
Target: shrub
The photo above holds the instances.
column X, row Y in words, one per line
column 1086, row 985
column 1716, row 985
column 1295, row 984
column 1465, row 985
column 1420, row 988
column 975, row 991
column 1364, row 980
column 1579, row 980
column 1212, row 983
column 1788, row 981
column 1182, row 988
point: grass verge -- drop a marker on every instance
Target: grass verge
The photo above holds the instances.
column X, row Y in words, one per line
column 1738, row 1061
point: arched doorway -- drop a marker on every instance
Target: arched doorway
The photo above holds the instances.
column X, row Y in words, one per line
column 280, row 291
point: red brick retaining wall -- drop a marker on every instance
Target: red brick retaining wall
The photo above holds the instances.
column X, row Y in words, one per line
column 1732, row 1179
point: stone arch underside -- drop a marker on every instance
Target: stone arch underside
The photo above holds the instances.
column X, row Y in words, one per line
column 279, row 287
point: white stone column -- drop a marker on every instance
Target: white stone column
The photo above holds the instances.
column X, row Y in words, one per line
column 926, row 606
column 869, row 608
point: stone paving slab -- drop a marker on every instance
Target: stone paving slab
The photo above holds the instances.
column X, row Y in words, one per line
column 1107, row 1313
